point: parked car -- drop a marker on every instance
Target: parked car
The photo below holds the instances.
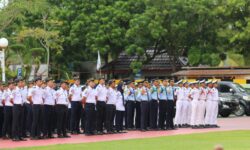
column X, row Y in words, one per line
column 227, row 104
column 238, row 92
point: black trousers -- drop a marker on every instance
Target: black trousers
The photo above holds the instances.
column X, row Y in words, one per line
column 138, row 115
column 82, row 119
column 7, row 123
column 170, row 114
column 89, row 118
column 162, row 114
column 36, row 120
column 110, row 116
column 100, row 115
column 27, row 117
column 144, row 114
column 119, row 117
column 130, row 114
column 68, row 119
column 1, row 121
column 153, row 113
column 76, row 108
column 17, row 122
column 61, row 113
column 48, row 120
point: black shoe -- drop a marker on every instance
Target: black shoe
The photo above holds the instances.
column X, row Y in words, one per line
column 60, row 136
column 22, row 139
column 99, row 133
column 89, row 134
column 143, row 130
column 5, row 138
column 15, row 139
column 51, row 137
column 66, row 136
column 34, row 138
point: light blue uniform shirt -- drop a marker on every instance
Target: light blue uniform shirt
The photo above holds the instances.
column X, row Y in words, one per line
column 170, row 92
column 146, row 96
column 163, row 93
column 154, row 93
column 130, row 94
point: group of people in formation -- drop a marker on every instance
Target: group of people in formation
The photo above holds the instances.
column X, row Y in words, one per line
column 41, row 109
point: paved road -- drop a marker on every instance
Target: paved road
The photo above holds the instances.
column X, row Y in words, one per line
column 227, row 124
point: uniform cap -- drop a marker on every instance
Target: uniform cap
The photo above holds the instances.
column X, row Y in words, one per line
column 49, row 79
column 215, row 81
column 179, row 82
column 209, row 81
column 202, row 81
column 37, row 79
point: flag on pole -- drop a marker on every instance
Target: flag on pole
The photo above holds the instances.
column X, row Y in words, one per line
column 98, row 65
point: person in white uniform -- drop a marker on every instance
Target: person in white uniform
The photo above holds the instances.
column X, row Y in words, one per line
column 8, row 106
column 202, row 104
column 120, row 108
column 35, row 97
column 185, row 114
column 89, row 101
column 110, row 106
column 101, row 90
column 48, row 108
column 62, row 101
column 18, row 112
column 75, row 97
column 215, row 105
column 194, row 96
column 209, row 104
column 1, row 109
column 179, row 104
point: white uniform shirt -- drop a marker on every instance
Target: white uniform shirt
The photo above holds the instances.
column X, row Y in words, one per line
column 203, row 93
column 37, row 95
column 180, row 93
column 119, row 103
column 210, row 93
column 49, row 96
column 24, row 92
column 76, row 92
column 112, row 96
column 215, row 94
column 7, row 95
column 195, row 94
column 101, row 91
column 17, row 96
column 186, row 93
column 61, row 97
column 90, row 94
column 1, row 99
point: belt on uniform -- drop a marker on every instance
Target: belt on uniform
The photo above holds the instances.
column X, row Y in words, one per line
column 163, row 99
column 154, row 100
column 131, row 101
column 18, row 105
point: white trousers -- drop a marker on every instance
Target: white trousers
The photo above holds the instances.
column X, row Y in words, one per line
column 194, row 112
column 189, row 113
column 181, row 112
column 201, row 112
column 211, row 112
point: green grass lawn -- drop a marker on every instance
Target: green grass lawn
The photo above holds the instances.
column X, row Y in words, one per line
column 231, row 140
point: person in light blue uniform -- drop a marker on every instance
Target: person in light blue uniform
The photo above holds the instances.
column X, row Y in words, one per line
column 154, row 104
column 145, row 99
column 170, row 106
column 163, row 105
column 130, row 97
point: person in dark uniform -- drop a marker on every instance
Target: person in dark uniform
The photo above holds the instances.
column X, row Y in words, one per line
column 145, row 98
column 18, row 112
column 62, row 102
column 170, row 106
column 35, row 97
column 28, row 108
column 101, row 90
column 75, row 98
column 110, row 107
column 48, row 108
column 8, row 106
column 153, row 104
column 1, row 110
column 89, row 101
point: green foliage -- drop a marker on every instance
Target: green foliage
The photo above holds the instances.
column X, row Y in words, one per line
column 73, row 31
column 194, row 56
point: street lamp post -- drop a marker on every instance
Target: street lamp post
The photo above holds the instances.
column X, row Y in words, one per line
column 3, row 44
